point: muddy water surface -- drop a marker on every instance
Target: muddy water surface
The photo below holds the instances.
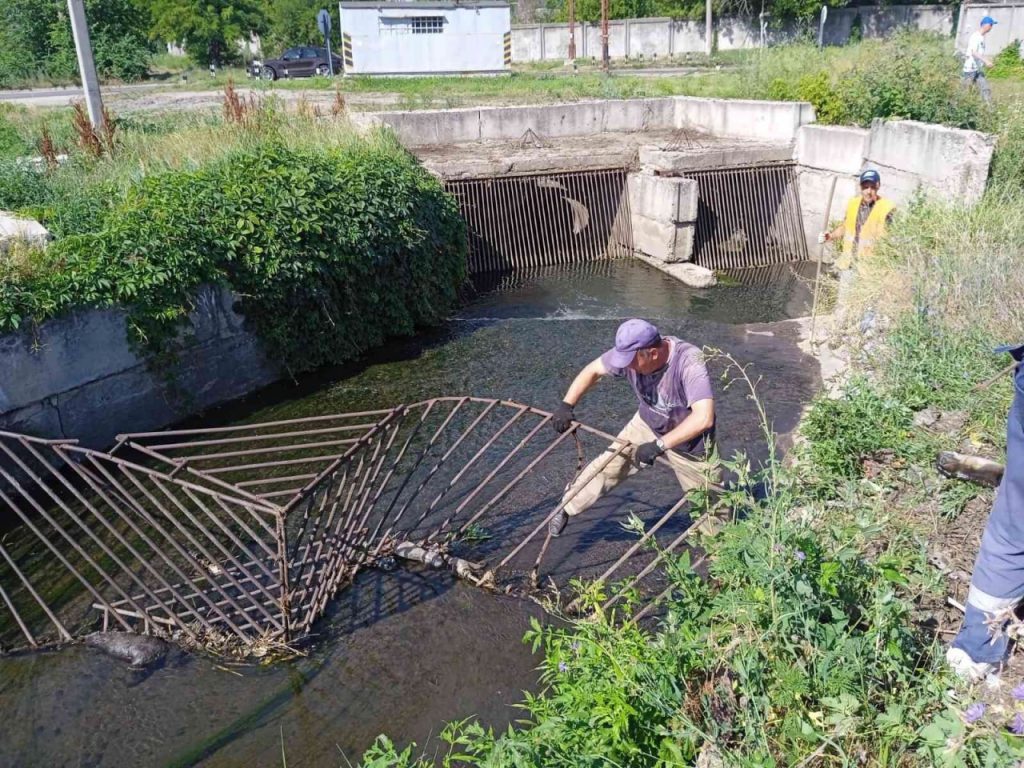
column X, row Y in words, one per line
column 404, row 652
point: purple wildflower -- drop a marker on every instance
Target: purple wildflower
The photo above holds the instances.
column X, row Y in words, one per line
column 1017, row 726
column 563, row 667
column 800, row 556
column 575, row 646
column 975, row 712
column 1018, row 692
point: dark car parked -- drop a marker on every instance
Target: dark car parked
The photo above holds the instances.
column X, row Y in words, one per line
column 301, row 61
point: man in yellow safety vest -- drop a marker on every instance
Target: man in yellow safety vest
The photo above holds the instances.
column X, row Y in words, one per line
column 865, row 222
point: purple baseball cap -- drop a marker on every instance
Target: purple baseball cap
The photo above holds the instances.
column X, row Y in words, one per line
column 633, row 335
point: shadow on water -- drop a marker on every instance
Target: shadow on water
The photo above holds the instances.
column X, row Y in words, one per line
column 404, row 652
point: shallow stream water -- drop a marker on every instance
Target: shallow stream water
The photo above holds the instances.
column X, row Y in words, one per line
column 405, row 652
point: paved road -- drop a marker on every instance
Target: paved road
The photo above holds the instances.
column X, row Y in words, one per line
column 52, row 97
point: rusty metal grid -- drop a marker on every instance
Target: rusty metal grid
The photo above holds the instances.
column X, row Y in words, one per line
column 532, row 220
column 247, row 532
column 748, row 217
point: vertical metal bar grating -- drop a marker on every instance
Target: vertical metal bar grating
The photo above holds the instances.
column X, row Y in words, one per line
column 748, row 217
column 536, row 220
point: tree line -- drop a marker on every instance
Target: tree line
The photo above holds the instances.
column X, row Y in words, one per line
column 36, row 41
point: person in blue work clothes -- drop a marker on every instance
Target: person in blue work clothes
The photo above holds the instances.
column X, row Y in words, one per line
column 997, row 584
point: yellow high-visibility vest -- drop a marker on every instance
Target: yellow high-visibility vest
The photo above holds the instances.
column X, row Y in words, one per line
column 873, row 229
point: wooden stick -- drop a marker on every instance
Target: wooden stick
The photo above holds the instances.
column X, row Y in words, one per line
column 821, row 254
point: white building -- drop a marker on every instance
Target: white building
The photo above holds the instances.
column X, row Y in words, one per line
column 413, row 38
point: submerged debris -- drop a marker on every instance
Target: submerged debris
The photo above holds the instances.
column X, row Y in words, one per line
column 139, row 650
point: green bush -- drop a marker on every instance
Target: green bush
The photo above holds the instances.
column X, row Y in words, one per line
column 333, row 250
column 1008, row 62
column 843, row 431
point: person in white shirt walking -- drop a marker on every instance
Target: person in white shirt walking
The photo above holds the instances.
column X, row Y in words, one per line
column 975, row 59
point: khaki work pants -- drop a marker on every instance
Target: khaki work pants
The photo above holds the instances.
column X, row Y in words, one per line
column 690, row 473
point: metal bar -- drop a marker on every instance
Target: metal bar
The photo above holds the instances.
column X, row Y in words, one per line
column 251, row 438
column 395, row 412
column 273, row 480
column 57, row 553
column 235, row 427
column 640, row 542
column 260, row 451
column 81, row 524
column 177, row 546
column 416, row 464
column 61, row 631
column 655, row 561
column 217, row 544
column 17, row 617
column 487, row 409
column 495, row 471
column 561, row 505
column 95, row 512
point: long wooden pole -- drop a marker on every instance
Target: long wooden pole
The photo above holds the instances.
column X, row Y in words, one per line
column 821, row 253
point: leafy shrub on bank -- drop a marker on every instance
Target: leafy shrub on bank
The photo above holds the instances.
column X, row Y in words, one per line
column 909, row 76
column 330, row 250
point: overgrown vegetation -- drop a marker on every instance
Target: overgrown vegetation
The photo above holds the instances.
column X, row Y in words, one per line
column 333, row 242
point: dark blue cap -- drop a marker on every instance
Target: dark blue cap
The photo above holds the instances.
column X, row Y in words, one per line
column 870, row 176
column 988, row 20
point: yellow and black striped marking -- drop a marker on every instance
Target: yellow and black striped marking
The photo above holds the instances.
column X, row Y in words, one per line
column 508, row 49
column 346, row 50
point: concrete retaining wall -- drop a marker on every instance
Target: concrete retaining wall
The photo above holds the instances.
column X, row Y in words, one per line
column 453, row 126
column 1010, row 27
column 741, row 118
column 763, row 120
column 660, row 37
column 78, row 377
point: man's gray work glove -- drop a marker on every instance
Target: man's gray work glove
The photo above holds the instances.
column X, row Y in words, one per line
column 648, row 452
column 562, row 418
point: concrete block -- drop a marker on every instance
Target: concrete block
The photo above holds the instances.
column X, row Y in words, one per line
column 832, row 148
column 741, row 118
column 693, row 275
column 633, row 115
column 427, row 128
column 14, row 228
column 672, row 200
column 672, row 161
column 950, row 163
column 664, row 241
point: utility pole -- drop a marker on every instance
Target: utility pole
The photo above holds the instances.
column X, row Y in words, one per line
column 604, row 34
column 572, row 30
column 707, row 27
column 86, row 66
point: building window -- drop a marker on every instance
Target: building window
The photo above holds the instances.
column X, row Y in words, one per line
column 427, row 25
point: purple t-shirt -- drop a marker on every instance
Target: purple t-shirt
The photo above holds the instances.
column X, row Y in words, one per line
column 665, row 395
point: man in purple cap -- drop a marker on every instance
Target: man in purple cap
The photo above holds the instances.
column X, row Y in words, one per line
column 676, row 417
